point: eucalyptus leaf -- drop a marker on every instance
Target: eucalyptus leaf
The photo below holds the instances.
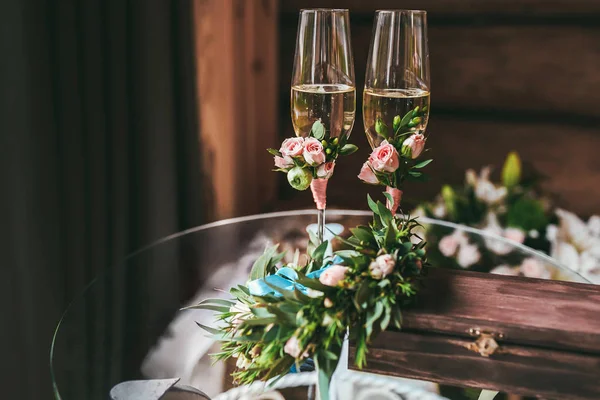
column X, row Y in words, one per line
column 372, row 316
column 372, row 205
column 319, row 252
column 348, row 149
column 406, row 119
column 211, row 307
column 259, row 321
column 423, row 164
column 209, row 329
column 363, row 233
column 318, row 130
column 274, row 152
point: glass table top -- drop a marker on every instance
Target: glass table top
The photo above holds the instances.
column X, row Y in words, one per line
column 127, row 324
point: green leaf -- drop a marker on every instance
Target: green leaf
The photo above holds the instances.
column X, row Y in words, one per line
column 388, row 197
column 372, row 205
column 348, row 149
column 312, row 283
column 318, row 130
column 362, row 294
column 209, row 329
column 211, row 307
column 397, row 317
column 347, row 253
column 259, row 269
column 385, row 321
column 423, row 164
column 363, row 234
column 406, row 119
column 319, row 252
column 372, row 316
column 381, row 128
column 416, row 174
column 221, row 302
column 259, row 321
column 275, row 152
column 390, row 236
column 385, row 214
column 325, row 368
column 511, row 172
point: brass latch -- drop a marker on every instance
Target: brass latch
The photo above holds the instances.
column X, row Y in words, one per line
column 485, row 344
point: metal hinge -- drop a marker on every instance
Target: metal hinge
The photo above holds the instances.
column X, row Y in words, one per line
column 485, row 344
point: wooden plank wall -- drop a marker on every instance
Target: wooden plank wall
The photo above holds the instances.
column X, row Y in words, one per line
column 236, row 61
column 506, row 75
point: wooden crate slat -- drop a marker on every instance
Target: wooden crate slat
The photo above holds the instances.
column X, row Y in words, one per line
column 516, row 369
column 535, row 311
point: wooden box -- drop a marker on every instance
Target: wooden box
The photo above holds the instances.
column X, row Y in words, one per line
column 547, row 333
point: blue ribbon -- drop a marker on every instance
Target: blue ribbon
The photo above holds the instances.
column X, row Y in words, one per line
column 284, row 279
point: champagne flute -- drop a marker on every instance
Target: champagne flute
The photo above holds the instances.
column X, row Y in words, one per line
column 323, row 86
column 397, row 77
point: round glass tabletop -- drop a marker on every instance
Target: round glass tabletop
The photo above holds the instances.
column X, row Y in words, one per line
column 127, row 324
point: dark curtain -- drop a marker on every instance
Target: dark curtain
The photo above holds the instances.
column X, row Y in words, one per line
column 100, row 156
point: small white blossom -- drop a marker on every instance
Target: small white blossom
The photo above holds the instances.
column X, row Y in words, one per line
column 243, row 362
column 314, row 293
column 468, row 254
column 505, row 270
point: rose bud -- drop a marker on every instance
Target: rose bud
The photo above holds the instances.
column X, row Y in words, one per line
column 299, row 178
column 413, row 146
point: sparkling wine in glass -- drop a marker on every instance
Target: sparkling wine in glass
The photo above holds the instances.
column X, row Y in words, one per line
column 323, row 85
column 396, row 98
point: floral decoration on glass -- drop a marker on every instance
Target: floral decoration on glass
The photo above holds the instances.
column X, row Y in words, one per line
column 396, row 101
column 309, row 162
column 288, row 315
column 397, row 158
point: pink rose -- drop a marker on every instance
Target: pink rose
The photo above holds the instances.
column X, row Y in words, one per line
column 292, row 147
column 382, row 266
column 366, row 175
column 313, row 152
column 292, row 347
column 333, row 275
column 325, row 170
column 515, row 234
column 284, row 162
column 413, row 145
column 532, row 268
column 448, row 245
column 384, row 158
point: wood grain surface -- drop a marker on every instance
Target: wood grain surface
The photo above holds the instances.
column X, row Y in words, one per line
column 514, row 369
column 550, row 343
column 537, row 312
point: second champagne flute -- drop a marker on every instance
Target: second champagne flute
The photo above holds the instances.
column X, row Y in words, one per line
column 323, row 87
column 396, row 99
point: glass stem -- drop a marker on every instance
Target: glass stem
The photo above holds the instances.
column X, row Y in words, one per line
column 321, row 225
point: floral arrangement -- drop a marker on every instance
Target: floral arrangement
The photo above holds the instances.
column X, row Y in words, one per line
column 287, row 315
column 512, row 208
column 309, row 162
column 576, row 244
column 396, row 159
column 515, row 209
